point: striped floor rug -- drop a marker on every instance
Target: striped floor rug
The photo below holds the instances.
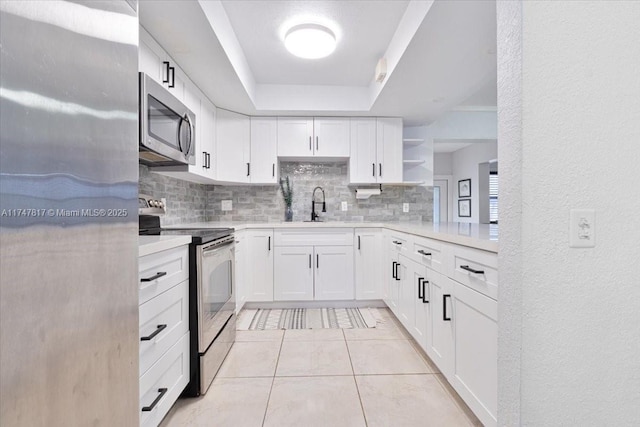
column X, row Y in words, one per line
column 305, row 318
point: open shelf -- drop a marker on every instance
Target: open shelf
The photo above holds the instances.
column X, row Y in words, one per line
column 413, row 162
column 412, row 141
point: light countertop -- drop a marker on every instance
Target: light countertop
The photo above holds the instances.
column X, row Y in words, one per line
column 151, row 244
column 479, row 236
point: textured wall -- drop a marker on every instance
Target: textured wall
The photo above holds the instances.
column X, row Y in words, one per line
column 264, row 203
column 575, row 127
column 186, row 201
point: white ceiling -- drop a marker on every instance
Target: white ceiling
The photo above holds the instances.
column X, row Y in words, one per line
column 363, row 31
column 441, row 55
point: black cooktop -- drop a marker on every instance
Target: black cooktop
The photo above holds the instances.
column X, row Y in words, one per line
column 150, row 226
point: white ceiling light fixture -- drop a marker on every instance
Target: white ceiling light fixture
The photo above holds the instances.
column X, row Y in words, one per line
column 310, row 41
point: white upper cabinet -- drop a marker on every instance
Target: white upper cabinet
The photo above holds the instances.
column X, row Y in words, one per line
column 331, row 137
column 264, row 156
column 154, row 61
column 389, row 150
column 304, row 137
column 363, row 162
column 376, row 151
column 233, row 141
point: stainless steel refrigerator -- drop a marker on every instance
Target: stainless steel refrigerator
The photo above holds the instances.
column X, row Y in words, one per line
column 68, row 213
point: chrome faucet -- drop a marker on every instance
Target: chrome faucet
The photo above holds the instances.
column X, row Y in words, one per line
column 314, row 215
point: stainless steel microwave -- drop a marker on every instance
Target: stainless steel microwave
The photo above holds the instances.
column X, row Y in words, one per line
column 167, row 127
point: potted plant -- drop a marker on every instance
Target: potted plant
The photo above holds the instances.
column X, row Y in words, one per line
column 287, row 195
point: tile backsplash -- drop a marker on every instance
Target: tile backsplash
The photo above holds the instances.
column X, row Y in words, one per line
column 188, row 202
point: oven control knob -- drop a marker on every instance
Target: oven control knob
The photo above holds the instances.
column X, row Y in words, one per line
column 161, row 205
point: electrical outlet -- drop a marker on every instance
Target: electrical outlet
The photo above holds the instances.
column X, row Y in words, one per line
column 226, row 205
column 582, row 228
column 344, row 206
column 405, row 207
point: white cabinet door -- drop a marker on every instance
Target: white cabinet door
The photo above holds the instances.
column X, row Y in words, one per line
column 475, row 368
column 264, row 156
column 293, row 273
column 240, row 276
column 233, row 138
column 295, row 135
column 422, row 306
column 331, row 137
column 389, row 150
column 363, row 164
column 368, row 264
column 334, row 273
column 150, row 62
column 392, row 282
column 407, row 292
column 260, row 265
column 440, row 347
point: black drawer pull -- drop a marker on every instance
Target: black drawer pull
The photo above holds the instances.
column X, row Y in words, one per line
column 395, row 242
column 358, row 242
column 424, row 292
column 149, row 408
column 420, row 289
column 466, row 267
column 154, row 277
column 397, row 276
column 393, row 270
column 166, row 64
column 421, row 252
column 153, row 335
column 444, row 308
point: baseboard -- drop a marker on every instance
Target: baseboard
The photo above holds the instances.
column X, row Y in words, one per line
column 316, row 304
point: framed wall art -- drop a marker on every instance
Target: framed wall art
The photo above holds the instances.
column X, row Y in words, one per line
column 464, row 188
column 464, row 208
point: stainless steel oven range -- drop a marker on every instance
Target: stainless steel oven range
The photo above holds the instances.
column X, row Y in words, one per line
column 212, row 319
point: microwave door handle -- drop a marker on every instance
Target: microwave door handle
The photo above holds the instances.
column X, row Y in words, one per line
column 184, row 151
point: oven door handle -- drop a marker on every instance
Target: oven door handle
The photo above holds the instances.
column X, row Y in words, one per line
column 213, row 251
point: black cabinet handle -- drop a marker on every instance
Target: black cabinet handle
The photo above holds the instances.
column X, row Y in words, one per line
column 444, row 308
column 208, row 161
column 421, row 252
column 173, row 76
column 395, row 242
column 393, row 269
column 310, row 144
column 374, row 168
column 166, row 72
column 248, row 169
column 317, row 261
column 358, row 242
column 273, row 170
column 424, row 292
column 316, row 143
column 149, row 408
column 309, row 260
column 204, row 159
column 154, row 277
column 379, row 169
column 269, row 244
column 471, row 270
column 153, row 335
column 397, row 274
column 420, row 289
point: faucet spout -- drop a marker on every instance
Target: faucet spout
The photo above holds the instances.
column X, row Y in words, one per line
column 314, row 215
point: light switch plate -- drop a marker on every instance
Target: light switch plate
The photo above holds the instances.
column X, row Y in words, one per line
column 226, row 205
column 344, row 206
column 405, row 207
column 582, row 228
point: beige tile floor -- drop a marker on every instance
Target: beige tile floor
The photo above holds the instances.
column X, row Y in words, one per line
column 325, row 377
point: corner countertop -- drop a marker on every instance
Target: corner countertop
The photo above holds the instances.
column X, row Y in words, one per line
column 148, row 245
column 478, row 236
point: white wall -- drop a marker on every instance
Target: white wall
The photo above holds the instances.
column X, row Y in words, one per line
column 442, row 164
column 464, row 165
column 569, row 134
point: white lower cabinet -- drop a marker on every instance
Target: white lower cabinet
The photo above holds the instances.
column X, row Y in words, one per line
column 367, row 259
column 293, row 273
column 474, row 372
column 259, row 275
column 313, row 265
column 164, row 332
column 439, row 327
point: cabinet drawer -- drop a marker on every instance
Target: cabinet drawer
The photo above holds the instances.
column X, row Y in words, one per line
column 171, row 372
column 305, row 237
column 166, row 269
column 166, row 316
column 430, row 253
column 485, row 264
column 400, row 242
